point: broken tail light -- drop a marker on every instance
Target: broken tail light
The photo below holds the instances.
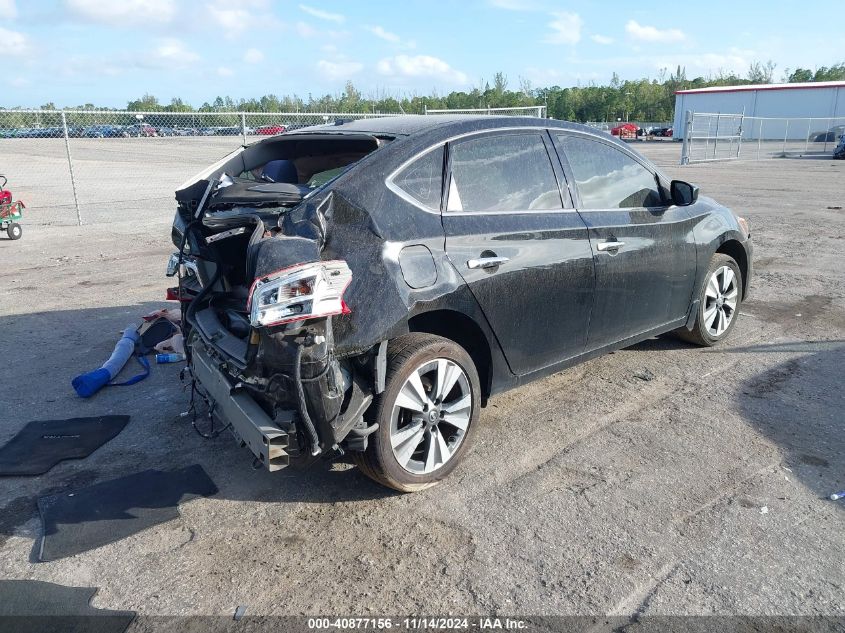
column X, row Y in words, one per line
column 304, row 291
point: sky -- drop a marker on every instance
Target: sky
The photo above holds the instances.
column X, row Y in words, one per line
column 108, row 52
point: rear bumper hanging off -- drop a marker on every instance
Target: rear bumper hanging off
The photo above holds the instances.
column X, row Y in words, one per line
column 249, row 423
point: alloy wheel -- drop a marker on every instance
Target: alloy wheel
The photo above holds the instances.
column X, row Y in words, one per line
column 431, row 416
column 720, row 300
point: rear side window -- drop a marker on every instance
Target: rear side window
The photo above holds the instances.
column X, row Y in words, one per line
column 509, row 172
column 608, row 178
column 423, row 179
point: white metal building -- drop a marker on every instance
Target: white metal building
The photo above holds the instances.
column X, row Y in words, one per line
column 811, row 100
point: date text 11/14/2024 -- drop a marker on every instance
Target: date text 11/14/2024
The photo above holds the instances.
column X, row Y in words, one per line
column 418, row 623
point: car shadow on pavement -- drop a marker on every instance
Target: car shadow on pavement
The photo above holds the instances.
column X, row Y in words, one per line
column 798, row 405
column 47, row 349
column 660, row 343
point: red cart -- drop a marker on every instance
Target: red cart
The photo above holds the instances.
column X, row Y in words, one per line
column 10, row 212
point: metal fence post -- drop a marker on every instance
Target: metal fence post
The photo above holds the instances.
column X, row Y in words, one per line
column 785, row 135
column 716, row 137
column 807, row 142
column 243, row 126
column 70, row 169
column 759, row 139
column 830, row 124
column 686, row 139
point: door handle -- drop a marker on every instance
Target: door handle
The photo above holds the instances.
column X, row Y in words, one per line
column 610, row 246
column 486, row 262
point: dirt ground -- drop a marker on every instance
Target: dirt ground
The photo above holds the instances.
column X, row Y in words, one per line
column 661, row 479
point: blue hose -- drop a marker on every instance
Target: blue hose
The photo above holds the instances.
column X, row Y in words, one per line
column 89, row 383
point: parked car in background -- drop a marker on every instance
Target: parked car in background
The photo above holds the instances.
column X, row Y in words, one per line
column 41, row 132
column 105, row 131
column 270, row 130
column 227, row 130
column 626, row 130
column 141, row 129
column 830, row 136
column 364, row 288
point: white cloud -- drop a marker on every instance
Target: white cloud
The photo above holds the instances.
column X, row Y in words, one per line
column 128, row 13
column 420, row 66
column 173, row 52
column 514, row 5
column 341, row 69
column 643, row 33
column 566, row 28
column 235, row 17
column 224, row 71
column 13, row 44
column 323, row 15
column 601, row 39
column 233, row 21
column 8, row 10
column 253, row 56
column 381, row 33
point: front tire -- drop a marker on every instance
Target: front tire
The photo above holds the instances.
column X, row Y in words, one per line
column 14, row 231
column 719, row 299
column 426, row 414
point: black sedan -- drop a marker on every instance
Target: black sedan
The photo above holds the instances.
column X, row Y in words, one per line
column 366, row 287
column 830, row 136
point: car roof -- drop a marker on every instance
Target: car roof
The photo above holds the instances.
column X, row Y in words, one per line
column 409, row 124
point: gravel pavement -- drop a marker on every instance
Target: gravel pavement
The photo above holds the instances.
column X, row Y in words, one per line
column 662, row 479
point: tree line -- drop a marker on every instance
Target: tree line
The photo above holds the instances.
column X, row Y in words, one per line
column 636, row 100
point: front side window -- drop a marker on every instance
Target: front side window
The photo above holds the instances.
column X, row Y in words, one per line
column 423, row 179
column 608, row 178
column 510, row 172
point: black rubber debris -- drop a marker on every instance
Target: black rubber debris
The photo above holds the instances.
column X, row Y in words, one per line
column 42, row 444
column 106, row 512
column 31, row 606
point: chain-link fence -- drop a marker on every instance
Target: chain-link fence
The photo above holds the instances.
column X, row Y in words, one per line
column 718, row 136
column 532, row 111
column 73, row 167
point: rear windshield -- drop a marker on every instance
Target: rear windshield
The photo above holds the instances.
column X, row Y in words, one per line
column 309, row 163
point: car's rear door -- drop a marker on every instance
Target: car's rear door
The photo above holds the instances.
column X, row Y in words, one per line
column 514, row 236
column 645, row 256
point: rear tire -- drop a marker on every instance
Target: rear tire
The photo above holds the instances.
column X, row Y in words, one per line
column 719, row 300
column 14, row 231
column 426, row 415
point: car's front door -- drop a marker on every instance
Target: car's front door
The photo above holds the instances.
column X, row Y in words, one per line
column 644, row 250
column 523, row 250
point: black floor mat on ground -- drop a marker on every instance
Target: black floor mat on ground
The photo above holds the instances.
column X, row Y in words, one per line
column 31, row 606
column 79, row 521
column 42, row 444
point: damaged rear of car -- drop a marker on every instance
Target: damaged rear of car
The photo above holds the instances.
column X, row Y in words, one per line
column 291, row 288
column 365, row 287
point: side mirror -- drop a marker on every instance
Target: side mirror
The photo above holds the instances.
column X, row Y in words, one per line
column 683, row 193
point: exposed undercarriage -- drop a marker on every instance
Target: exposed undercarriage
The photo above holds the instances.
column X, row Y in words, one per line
column 298, row 397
